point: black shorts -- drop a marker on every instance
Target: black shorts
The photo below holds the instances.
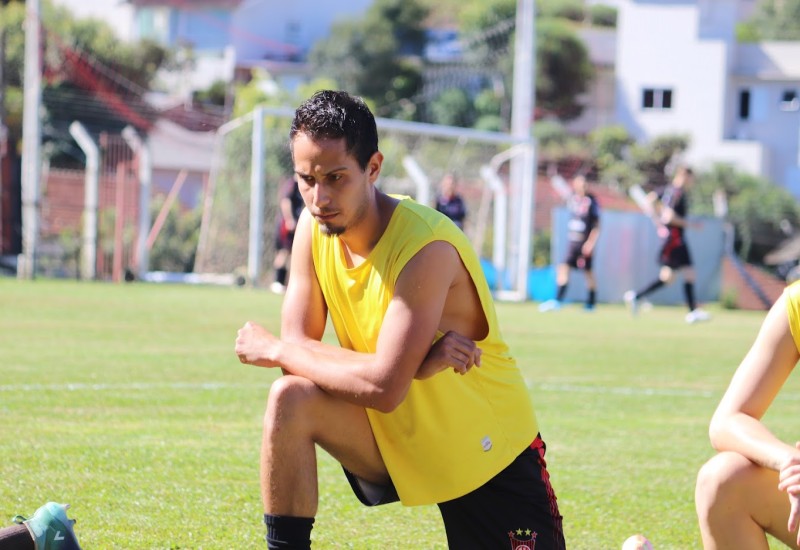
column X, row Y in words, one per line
column 284, row 237
column 575, row 258
column 674, row 253
column 516, row 509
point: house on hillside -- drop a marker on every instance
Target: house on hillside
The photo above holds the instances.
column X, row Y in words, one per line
column 679, row 69
column 225, row 38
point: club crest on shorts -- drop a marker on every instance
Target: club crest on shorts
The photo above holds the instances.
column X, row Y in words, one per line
column 522, row 539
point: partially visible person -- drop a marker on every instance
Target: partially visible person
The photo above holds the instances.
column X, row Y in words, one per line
column 671, row 209
column 752, row 486
column 450, row 202
column 583, row 230
column 48, row 529
column 290, row 207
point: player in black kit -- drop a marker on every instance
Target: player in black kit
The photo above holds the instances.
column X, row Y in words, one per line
column 670, row 209
column 583, row 229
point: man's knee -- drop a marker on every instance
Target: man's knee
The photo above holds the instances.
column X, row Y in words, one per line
column 721, row 480
column 288, row 397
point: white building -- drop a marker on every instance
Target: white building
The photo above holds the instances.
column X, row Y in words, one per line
column 680, row 70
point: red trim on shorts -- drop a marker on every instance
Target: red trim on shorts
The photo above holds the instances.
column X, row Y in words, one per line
column 673, row 241
column 539, row 446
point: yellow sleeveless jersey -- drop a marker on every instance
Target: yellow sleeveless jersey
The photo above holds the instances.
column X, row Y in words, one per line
column 793, row 310
column 452, row 433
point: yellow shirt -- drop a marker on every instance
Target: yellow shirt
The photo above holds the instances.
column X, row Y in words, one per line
column 452, row 433
column 793, row 310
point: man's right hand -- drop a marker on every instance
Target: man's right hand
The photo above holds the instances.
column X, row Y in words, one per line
column 451, row 351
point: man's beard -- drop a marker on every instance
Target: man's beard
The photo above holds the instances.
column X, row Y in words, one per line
column 331, row 230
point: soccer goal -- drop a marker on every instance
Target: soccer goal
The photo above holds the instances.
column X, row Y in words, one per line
column 494, row 171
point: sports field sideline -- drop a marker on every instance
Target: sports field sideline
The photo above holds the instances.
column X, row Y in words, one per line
column 127, row 402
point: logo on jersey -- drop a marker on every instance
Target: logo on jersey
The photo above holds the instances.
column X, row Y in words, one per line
column 522, row 539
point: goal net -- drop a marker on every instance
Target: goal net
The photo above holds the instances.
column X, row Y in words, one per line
column 241, row 207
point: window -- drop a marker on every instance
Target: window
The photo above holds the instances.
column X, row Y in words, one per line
column 657, row 98
column 744, row 104
column 790, row 101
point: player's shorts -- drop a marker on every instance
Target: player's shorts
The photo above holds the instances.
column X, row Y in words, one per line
column 283, row 237
column 515, row 509
column 674, row 253
column 575, row 258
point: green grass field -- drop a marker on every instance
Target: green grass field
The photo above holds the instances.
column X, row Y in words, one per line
column 128, row 403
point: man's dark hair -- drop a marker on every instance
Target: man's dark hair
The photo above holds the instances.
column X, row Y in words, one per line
column 330, row 114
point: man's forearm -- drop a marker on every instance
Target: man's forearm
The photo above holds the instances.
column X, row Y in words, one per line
column 350, row 375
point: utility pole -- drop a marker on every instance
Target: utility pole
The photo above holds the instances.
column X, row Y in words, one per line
column 3, row 130
column 523, row 167
column 31, row 141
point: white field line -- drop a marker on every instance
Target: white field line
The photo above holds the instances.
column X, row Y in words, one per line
column 213, row 386
column 143, row 386
column 621, row 390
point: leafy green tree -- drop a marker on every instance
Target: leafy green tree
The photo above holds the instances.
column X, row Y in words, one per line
column 652, row 159
column 453, row 107
column 563, row 68
column 601, row 15
column 175, row 247
column 772, row 20
column 137, row 63
column 757, row 209
column 373, row 56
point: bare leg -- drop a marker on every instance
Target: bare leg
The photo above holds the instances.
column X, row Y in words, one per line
column 562, row 274
column 591, row 284
column 666, row 274
column 737, row 502
column 299, row 416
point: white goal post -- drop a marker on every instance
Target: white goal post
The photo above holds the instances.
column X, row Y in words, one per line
column 411, row 166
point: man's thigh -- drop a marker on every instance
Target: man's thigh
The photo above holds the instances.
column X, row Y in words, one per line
column 339, row 427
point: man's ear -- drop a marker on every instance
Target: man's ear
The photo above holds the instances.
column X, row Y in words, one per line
column 374, row 166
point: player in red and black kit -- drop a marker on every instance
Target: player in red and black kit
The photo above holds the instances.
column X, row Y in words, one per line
column 671, row 209
column 290, row 206
column 583, row 229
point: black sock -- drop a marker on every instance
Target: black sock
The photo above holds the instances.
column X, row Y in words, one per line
column 688, row 291
column 16, row 537
column 562, row 289
column 655, row 285
column 591, row 298
column 280, row 275
column 288, row 532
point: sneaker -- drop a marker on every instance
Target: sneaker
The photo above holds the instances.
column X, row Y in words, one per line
column 588, row 307
column 50, row 528
column 550, row 305
column 697, row 316
column 277, row 288
column 631, row 301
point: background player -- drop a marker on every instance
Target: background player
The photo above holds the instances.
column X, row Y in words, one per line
column 450, row 202
column 583, row 230
column 290, row 206
column 670, row 208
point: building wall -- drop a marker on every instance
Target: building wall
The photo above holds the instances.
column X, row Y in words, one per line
column 689, row 47
column 658, row 49
column 266, row 27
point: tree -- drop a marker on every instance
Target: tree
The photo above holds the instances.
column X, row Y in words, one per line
column 374, row 57
column 175, row 247
column 132, row 66
column 772, row 20
column 563, row 68
column 758, row 209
